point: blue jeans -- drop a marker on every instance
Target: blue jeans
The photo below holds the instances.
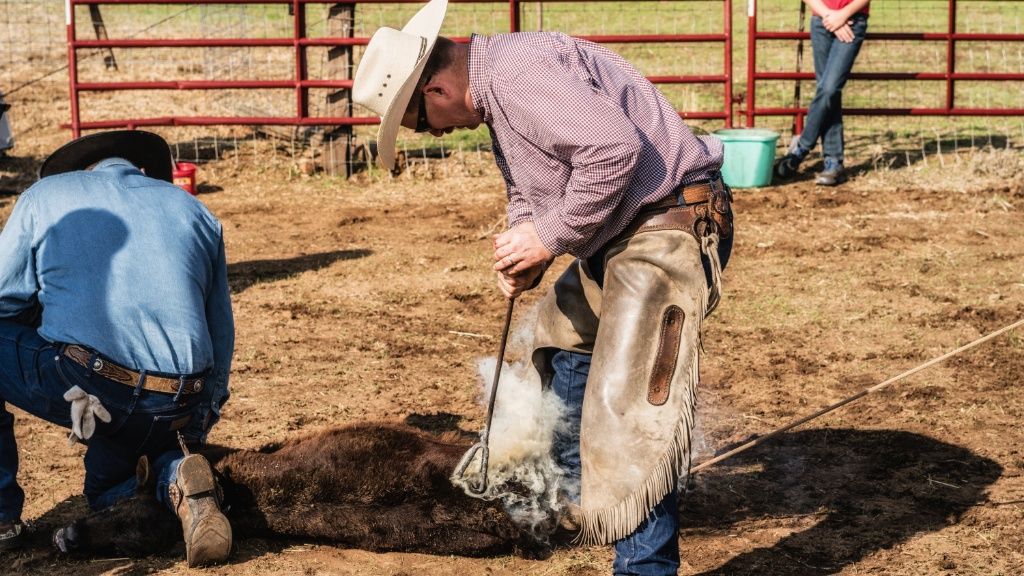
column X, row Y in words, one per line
column 653, row 548
column 34, row 376
column 833, row 61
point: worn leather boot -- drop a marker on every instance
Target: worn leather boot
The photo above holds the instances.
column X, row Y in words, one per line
column 206, row 529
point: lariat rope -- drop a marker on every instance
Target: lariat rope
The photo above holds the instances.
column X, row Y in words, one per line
column 857, row 396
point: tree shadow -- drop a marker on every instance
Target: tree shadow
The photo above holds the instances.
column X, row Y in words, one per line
column 872, row 489
column 899, row 152
column 242, row 275
column 207, row 188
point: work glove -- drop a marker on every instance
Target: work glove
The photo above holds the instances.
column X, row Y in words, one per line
column 85, row 408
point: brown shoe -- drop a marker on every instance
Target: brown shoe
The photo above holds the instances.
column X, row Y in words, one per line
column 206, row 529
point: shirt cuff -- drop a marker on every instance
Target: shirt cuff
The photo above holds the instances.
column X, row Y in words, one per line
column 554, row 234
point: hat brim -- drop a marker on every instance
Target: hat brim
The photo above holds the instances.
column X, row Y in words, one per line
column 425, row 24
column 147, row 151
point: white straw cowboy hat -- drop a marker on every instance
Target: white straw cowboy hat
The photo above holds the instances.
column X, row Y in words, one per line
column 391, row 68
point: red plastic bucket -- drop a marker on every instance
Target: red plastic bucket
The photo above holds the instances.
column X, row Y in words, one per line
column 185, row 176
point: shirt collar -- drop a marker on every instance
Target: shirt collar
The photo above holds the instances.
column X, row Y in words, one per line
column 479, row 78
column 112, row 162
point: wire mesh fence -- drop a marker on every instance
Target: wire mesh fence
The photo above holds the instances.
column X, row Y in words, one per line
column 34, row 57
column 893, row 141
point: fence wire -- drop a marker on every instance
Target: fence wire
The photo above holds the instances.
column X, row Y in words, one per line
column 34, row 58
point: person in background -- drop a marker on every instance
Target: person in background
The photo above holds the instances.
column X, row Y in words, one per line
column 599, row 165
column 837, row 32
column 6, row 137
column 116, row 322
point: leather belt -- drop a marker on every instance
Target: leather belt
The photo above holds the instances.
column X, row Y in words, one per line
column 697, row 193
column 88, row 359
column 691, row 194
column 699, row 208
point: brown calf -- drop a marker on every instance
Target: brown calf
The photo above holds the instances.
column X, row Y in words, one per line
column 378, row 487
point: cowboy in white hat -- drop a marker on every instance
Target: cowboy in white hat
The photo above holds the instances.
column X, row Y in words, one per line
column 598, row 165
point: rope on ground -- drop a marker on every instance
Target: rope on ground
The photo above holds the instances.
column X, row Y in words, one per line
column 857, row 396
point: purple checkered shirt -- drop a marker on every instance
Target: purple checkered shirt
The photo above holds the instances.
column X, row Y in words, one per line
column 582, row 139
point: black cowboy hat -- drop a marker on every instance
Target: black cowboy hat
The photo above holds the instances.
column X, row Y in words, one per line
column 145, row 150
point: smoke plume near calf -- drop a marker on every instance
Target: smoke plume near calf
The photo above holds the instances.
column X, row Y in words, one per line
column 521, row 471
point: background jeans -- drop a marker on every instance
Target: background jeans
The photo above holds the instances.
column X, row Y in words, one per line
column 653, row 548
column 833, row 61
column 34, row 377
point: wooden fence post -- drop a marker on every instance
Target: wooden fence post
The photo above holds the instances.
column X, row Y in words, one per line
column 338, row 140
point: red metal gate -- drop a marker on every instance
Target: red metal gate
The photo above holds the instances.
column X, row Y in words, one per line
column 949, row 39
column 300, row 82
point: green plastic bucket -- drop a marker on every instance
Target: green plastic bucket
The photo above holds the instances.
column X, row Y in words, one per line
column 749, row 154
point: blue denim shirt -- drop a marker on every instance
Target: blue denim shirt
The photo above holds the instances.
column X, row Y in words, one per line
column 127, row 265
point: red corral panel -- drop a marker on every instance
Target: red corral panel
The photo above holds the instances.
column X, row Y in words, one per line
column 296, row 28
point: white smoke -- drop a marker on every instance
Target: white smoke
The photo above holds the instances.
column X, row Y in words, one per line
column 521, row 471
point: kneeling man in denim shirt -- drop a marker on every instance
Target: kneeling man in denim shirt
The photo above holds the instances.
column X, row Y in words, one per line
column 115, row 322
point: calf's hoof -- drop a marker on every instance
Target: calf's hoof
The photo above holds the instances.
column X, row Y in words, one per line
column 206, row 529
column 66, row 539
column 11, row 535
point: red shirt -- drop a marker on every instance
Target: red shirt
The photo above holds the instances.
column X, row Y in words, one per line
column 838, row 4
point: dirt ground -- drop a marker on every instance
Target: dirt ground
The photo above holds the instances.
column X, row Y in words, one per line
column 371, row 300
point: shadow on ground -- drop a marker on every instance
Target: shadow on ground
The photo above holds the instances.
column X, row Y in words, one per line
column 871, row 490
column 39, row 557
column 865, row 490
column 242, row 275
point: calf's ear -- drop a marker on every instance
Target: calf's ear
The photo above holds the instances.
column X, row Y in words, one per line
column 144, row 481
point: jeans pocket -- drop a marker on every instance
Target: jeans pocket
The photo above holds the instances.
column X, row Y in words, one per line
column 146, row 430
column 66, row 375
column 113, row 395
column 140, row 420
column 162, row 434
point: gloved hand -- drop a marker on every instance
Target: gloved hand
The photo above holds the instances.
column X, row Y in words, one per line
column 85, row 408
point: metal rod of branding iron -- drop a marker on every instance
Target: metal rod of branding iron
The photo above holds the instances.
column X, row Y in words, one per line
column 861, row 394
column 481, row 447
